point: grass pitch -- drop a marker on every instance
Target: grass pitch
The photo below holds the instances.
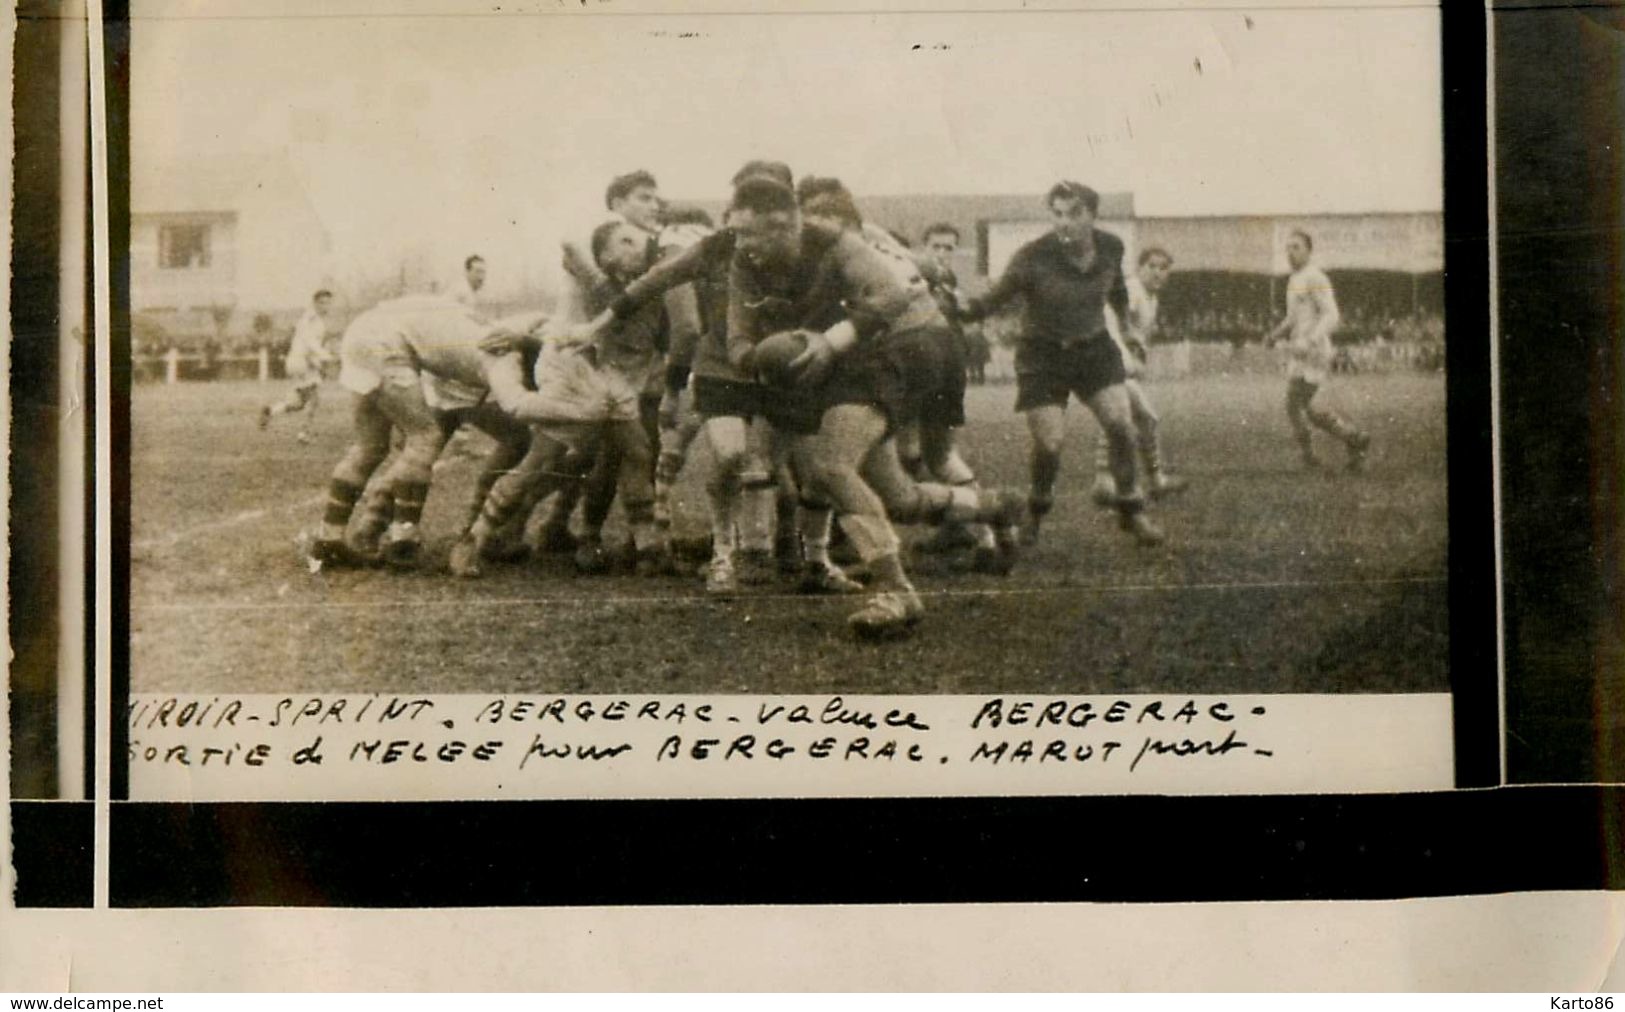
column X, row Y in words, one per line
column 1272, row 579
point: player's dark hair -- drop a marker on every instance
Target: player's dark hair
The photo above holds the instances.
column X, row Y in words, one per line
column 828, row 197
column 940, row 228
column 1155, row 251
column 621, row 187
column 601, row 237
column 1308, row 243
column 762, row 195
column 321, row 293
column 473, row 259
column 763, row 167
column 686, row 214
column 1066, row 189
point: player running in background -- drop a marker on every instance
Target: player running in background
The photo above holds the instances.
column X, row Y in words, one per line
column 872, row 358
column 1311, row 319
column 1135, row 332
column 469, row 291
column 307, row 354
column 1069, row 277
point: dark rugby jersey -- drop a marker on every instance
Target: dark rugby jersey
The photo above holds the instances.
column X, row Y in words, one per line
column 1065, row 303
column 838, row 275
column 704, row 266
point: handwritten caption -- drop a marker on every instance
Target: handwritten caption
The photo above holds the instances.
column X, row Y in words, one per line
column 520, row 733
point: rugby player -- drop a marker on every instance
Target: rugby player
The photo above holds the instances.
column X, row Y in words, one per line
column 1310, row 320
column 307, row 354
column 1069, row 277
column 394, row 357
column 633, row 198
column 468, row 290
column 925, row 444
column 587, row 397
column 872, row 360
column 740, row 489
column 1134, row 333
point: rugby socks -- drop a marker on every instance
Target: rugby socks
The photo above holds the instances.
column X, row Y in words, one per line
column 816, row 522
column 640, row 521
column 888, row 573
column 409, row 497
column 1046, row 468
column 724, row 519
column 376, row 508
column 341, row 499
column 758, row 502
column 980, row 531
column 667, row 468
column 1150, row 444
column 873, row 537
column 786, row 531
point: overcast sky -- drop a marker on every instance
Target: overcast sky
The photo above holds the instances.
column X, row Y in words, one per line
column 499, row 132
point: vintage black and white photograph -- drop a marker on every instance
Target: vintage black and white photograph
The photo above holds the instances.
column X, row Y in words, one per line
column 1048, row 352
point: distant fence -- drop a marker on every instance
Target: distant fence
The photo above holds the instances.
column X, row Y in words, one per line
column 1172, row 361
column 176, row 366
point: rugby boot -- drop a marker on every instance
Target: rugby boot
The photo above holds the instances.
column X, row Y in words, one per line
column 590, row 557
column 1008, row 535
column 1165, row 485
column 332, row 553
column 265, row 418
column 692, row 548
column 1104, row 491
column 401, row 546
column 1359, row 444
column 556, row 539
column 827, row 578
column 888, row 614
column 655, row 560
column 755, row 567
column 505, row 548
column 1146, row 533
column 720, row 579
column 465, row 558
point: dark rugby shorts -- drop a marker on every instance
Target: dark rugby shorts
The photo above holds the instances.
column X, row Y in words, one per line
column 726, row 398
column 909, row 375
column 1047, row 374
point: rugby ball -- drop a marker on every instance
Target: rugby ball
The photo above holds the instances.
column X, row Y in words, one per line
column 774, row 354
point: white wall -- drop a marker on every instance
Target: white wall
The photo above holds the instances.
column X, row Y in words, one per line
column 152, row 286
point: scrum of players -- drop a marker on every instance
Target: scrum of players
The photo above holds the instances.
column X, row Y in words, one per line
column 820, row 359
